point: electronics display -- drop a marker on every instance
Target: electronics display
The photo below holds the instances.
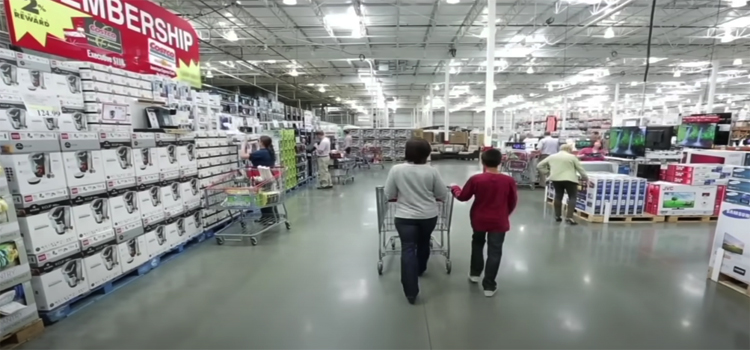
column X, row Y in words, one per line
column 696, row 135
column 659, row 137
column 584, row 143
column 627, row 141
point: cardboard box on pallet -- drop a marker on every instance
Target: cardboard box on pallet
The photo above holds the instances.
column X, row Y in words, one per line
column 100, row 259
column 733, row 236
column 667, row 198
column 458, row 137
column 626, row 194
column 57, row 283
column 132, row 253
column 156, row 240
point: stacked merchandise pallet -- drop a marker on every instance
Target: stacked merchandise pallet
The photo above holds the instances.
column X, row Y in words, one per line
column 19, row 311
column 289, row 157
column 392, row 142
column 730, row 256
column 689, row 192
column 217, row 165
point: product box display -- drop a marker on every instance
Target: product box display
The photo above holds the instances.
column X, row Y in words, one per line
column 65, row 80
column 83, row 167
column 171, row 199
column 15, row 117
column 715, row 156
column 666, row 198
column 100, row 259
column 733, row 236
column 20, row 272
column 117, row 155
column 73, row 115
column 186, row 156
column 156, row 240
column 193, row 222
column 30, row 73
column 739, row 185
column 91, row 211
column 29, row 142
column 132, row 253
column 739, row 198
column 19, row 308
column 698, row 174
column 190, row 193
column 741, row 172
column 151, row 209
column 64, row 282
column 167, row 159
column 34, row 172
column 175, row 231
column 626, row 194
column 46, row 228
column 146, row 165
column 126, row 218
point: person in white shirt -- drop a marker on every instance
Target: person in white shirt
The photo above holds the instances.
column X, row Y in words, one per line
column 347, row 143
column 323, row 151
column 547, row 147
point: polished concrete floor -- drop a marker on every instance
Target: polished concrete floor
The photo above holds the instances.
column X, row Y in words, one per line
column 638, row 286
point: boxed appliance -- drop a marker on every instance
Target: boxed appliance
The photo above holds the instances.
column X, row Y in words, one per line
column 193, row 223
column 741, row 172
column 65, row 80
column 31, row 72
column 73, row 115
column 190, row 193
column 721, row 193
column 90, row 207
column 126, row 219
column 29, row 142
column 34, row 172
column 100, row 259
column 458, row 137
column 145, row 158
column 149, row 199
column 175, row 231
column 132, row 253
column 15, row 117
column 714, row 156
column 667, row 198
column 59, row 283
column 171, row 199
column 169, row 168
column 26, row 311
column 186, row 156
column 626, row 194
column 739, row 185
column 46, row 227
column 156, row 240
column 733, row 236
column 117, row 155
column 83, row 167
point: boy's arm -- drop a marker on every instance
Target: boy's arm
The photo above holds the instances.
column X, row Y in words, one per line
column 466, row 193
column 512, row 197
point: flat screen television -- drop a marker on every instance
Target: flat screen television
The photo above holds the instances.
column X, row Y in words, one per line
column 659, row 137
column 584, row 143
column 696, row 135
column 627, row 141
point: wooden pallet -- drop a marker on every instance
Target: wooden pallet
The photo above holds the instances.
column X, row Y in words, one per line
column 13, row 340
column 705, row 218
column 733, row 283
column 627, row 219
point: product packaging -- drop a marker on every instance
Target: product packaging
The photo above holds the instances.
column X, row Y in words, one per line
column 666, row 198
column 126, row 218
column 132, row 253
column 91, row 210
column 101, row 259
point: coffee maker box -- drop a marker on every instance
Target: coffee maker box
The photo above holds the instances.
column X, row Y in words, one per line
column 146, row 162
column 90, row 206
column 15, row 117
column 100, row 259
column 191, row 193
column 126, row 218
column 132, row 253
column 55, row 287
column 117, row 155
column 83, row 167
column 150, row 205
column 65, row 79
column 73, row 115
column 156, row 240
column 169, row 167
column 193, row 223
column 175, row 231
column 171, row 199
column 47, row 227
column 34, row 172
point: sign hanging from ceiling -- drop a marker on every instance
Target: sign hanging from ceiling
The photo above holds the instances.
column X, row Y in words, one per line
column 135, row 35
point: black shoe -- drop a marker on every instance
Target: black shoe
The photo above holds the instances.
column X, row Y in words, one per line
column 411, row 300
column 571, row 221
column 558, row 219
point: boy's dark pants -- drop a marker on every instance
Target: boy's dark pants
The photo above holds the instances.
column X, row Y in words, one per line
column 415, row 250
column 495, row 242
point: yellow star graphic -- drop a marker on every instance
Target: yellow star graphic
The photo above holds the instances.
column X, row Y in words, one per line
column 40, row 18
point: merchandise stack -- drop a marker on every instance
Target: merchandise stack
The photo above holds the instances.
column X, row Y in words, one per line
column 732, row 233
column 626, row 194
column 289, row 157
column 392, row 142
column 17, row 304
column 217, row 167
column 689, row 190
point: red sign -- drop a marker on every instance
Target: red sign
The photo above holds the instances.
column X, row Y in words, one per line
column 135, row 35
column 701, row 118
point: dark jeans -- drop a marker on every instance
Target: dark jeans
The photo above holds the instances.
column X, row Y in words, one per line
column 572, row 189
column 495, row 242
column 415, row 250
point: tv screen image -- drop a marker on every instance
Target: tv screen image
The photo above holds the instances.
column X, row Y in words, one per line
column 698, row 135
column 679, row 200
column 627, row 141
column 732, row 244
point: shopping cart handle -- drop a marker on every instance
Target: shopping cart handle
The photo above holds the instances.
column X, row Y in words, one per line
column 394, row 200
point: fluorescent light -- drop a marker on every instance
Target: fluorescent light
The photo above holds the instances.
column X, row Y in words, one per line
column 322, row 89
column 609, row 33
column 658, row 90
column 437, row 87
column 452, row 71
column 737, row 62
column 338, row 99
column 728, row 37
column 356, row 33
column 271, row 61
column 677, row 74
column 294, row 72
column 550, row 88
column 290, row 2
column 697, row 85
column 209, row 74
column 231, row 35
column 738, row 3
column 530, row 70
column 494, row 87
column 633, row 83
column 452, row 2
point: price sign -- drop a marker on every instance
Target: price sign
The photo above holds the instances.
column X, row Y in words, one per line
column 114, row 112
column 42, row 105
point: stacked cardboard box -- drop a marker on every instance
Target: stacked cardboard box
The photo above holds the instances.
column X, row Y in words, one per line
column 732, row 233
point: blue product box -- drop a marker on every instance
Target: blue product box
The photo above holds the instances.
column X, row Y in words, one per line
column 741, row 173
column 738, row 198
column 740, row 185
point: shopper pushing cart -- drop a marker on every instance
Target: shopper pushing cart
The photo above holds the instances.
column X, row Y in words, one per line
column 415, row 186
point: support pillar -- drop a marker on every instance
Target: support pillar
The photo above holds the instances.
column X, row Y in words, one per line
column 712, row 86
column 489, row 87
column 446, row 98
column 616, row 106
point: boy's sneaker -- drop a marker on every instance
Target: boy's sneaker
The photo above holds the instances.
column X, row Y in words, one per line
column 489, row 293
column 474, row 279
column 558, row 219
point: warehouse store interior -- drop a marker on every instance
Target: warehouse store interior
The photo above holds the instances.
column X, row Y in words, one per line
column 209, row 173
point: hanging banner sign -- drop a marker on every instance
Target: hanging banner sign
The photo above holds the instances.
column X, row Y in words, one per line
column 135, row 35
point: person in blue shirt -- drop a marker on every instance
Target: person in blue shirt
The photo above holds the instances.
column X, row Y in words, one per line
column 264, row 156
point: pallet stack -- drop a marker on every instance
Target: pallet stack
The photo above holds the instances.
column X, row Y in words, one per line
column 392, row 141
column 18, row 311
column 217, row 165
column 289, row 157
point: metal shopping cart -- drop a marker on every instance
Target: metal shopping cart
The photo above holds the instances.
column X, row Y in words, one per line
column 249, row 189
column 371, row 155
column 342, row 170
column 518, row 165
column 388, row 236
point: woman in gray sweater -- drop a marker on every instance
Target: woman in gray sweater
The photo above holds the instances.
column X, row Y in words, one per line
column 416, row 186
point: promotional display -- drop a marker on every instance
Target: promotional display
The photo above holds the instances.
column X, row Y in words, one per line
column 138, row 36
column 625, row 193
column 698, row 174
column 666, row 198
column 100, row 259
column 733, row 236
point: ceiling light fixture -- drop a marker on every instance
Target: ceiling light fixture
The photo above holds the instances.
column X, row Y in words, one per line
column 437, row 87
column 609, row 33
column 322, row 89
column 738, row 3
column 290, row 2
column 737, row 62
column 231, row 35
column 633, row 83
column 658, row 90
column 453, row 2
column 209, row 74
column 530, row 70
column 728, row 36
column 677, row 74
column 294, row 72
column 356, row 33
column 697, row 85
column 338, row 99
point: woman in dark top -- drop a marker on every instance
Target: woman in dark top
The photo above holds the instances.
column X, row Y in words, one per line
column 264, row 156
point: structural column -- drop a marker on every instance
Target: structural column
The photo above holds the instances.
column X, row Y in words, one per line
column 564, row 111
column 616, row 105
column 489, row 88
column 446, row 99
column 429, row 112
column 712, row 86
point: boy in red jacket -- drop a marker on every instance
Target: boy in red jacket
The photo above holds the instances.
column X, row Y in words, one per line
column 495, row 198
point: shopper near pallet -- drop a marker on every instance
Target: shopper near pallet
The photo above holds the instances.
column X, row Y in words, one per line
column 415, row 186
column 323, row 152
column 347, row 143
column 547, row 147
column 264, row 156
column 564, row 169
column 495, row 198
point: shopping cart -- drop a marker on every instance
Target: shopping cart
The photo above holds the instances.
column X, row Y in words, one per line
column 370, row 155
column 341, row 170
column 245, row 190
column 518, row 164
column 388, row 236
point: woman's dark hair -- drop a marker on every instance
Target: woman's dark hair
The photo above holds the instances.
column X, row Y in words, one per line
column 268, row 145
column 417, row 151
